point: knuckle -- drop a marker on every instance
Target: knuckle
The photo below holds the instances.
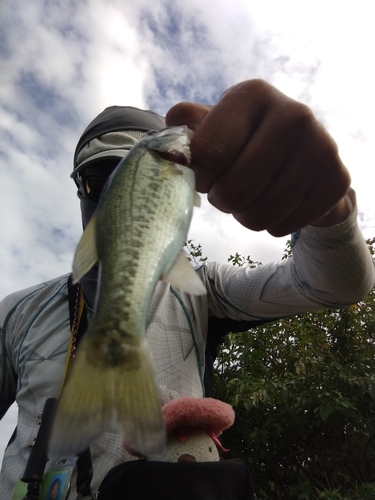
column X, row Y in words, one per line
column 179, row 113
column 301, row 117
column 257, row 85
column 249, row 90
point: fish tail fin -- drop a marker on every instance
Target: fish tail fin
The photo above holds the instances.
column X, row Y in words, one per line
column 100, row 397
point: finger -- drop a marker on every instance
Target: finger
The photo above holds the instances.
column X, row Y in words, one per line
column 317, row 203
column 187, row 113
column 227, row 129
column 289, row 206
column 288, row 155
column 265, row 160
column 279, row 201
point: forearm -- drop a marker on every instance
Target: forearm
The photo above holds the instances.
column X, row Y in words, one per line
column 333, row 260
column 331, row 267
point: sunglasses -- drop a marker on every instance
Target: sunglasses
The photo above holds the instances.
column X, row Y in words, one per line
column 93, row 185
column 93, row 182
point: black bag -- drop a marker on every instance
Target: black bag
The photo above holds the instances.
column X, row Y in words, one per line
column 143, row 480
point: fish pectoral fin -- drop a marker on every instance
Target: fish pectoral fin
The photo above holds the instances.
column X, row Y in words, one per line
column 86, row 255
column 169, row 170
column 197, row 199
column 182, row 276
column 99, row 397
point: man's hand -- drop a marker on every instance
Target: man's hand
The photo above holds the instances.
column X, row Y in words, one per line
column 264, row 158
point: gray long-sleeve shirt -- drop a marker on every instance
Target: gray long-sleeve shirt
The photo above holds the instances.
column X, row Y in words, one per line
column 330, row 267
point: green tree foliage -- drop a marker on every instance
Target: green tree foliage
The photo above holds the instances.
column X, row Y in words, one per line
column 195, row 252
column 303, row 389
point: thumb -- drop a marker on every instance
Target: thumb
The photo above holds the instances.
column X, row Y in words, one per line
column 187, row 113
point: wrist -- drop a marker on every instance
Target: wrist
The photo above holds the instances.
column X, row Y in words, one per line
column 338, row 214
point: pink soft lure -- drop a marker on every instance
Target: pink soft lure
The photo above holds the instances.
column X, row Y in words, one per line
column 185, row 414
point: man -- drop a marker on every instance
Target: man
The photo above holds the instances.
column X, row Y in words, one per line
column 258, row 155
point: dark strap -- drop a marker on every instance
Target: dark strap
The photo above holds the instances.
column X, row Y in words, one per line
column 72, row 294
column 84, row 474
column 37, row 460
column 84, row 462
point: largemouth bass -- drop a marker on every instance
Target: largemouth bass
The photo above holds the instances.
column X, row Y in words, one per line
column 137, row 234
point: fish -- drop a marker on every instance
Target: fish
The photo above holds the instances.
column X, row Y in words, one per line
column 137, row 234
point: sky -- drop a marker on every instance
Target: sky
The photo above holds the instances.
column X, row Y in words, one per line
column 62, row 62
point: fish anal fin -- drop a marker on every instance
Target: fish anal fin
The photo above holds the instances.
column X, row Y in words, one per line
column 86, row 255
column 182, row 276
column 99, row 397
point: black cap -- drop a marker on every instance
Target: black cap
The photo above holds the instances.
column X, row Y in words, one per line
column 118, row 118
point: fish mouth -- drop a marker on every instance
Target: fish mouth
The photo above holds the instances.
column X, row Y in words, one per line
column 174, row 156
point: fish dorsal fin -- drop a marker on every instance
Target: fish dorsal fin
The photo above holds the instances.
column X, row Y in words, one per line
column 182, row 276
column 86, row 255
column 197, row 199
